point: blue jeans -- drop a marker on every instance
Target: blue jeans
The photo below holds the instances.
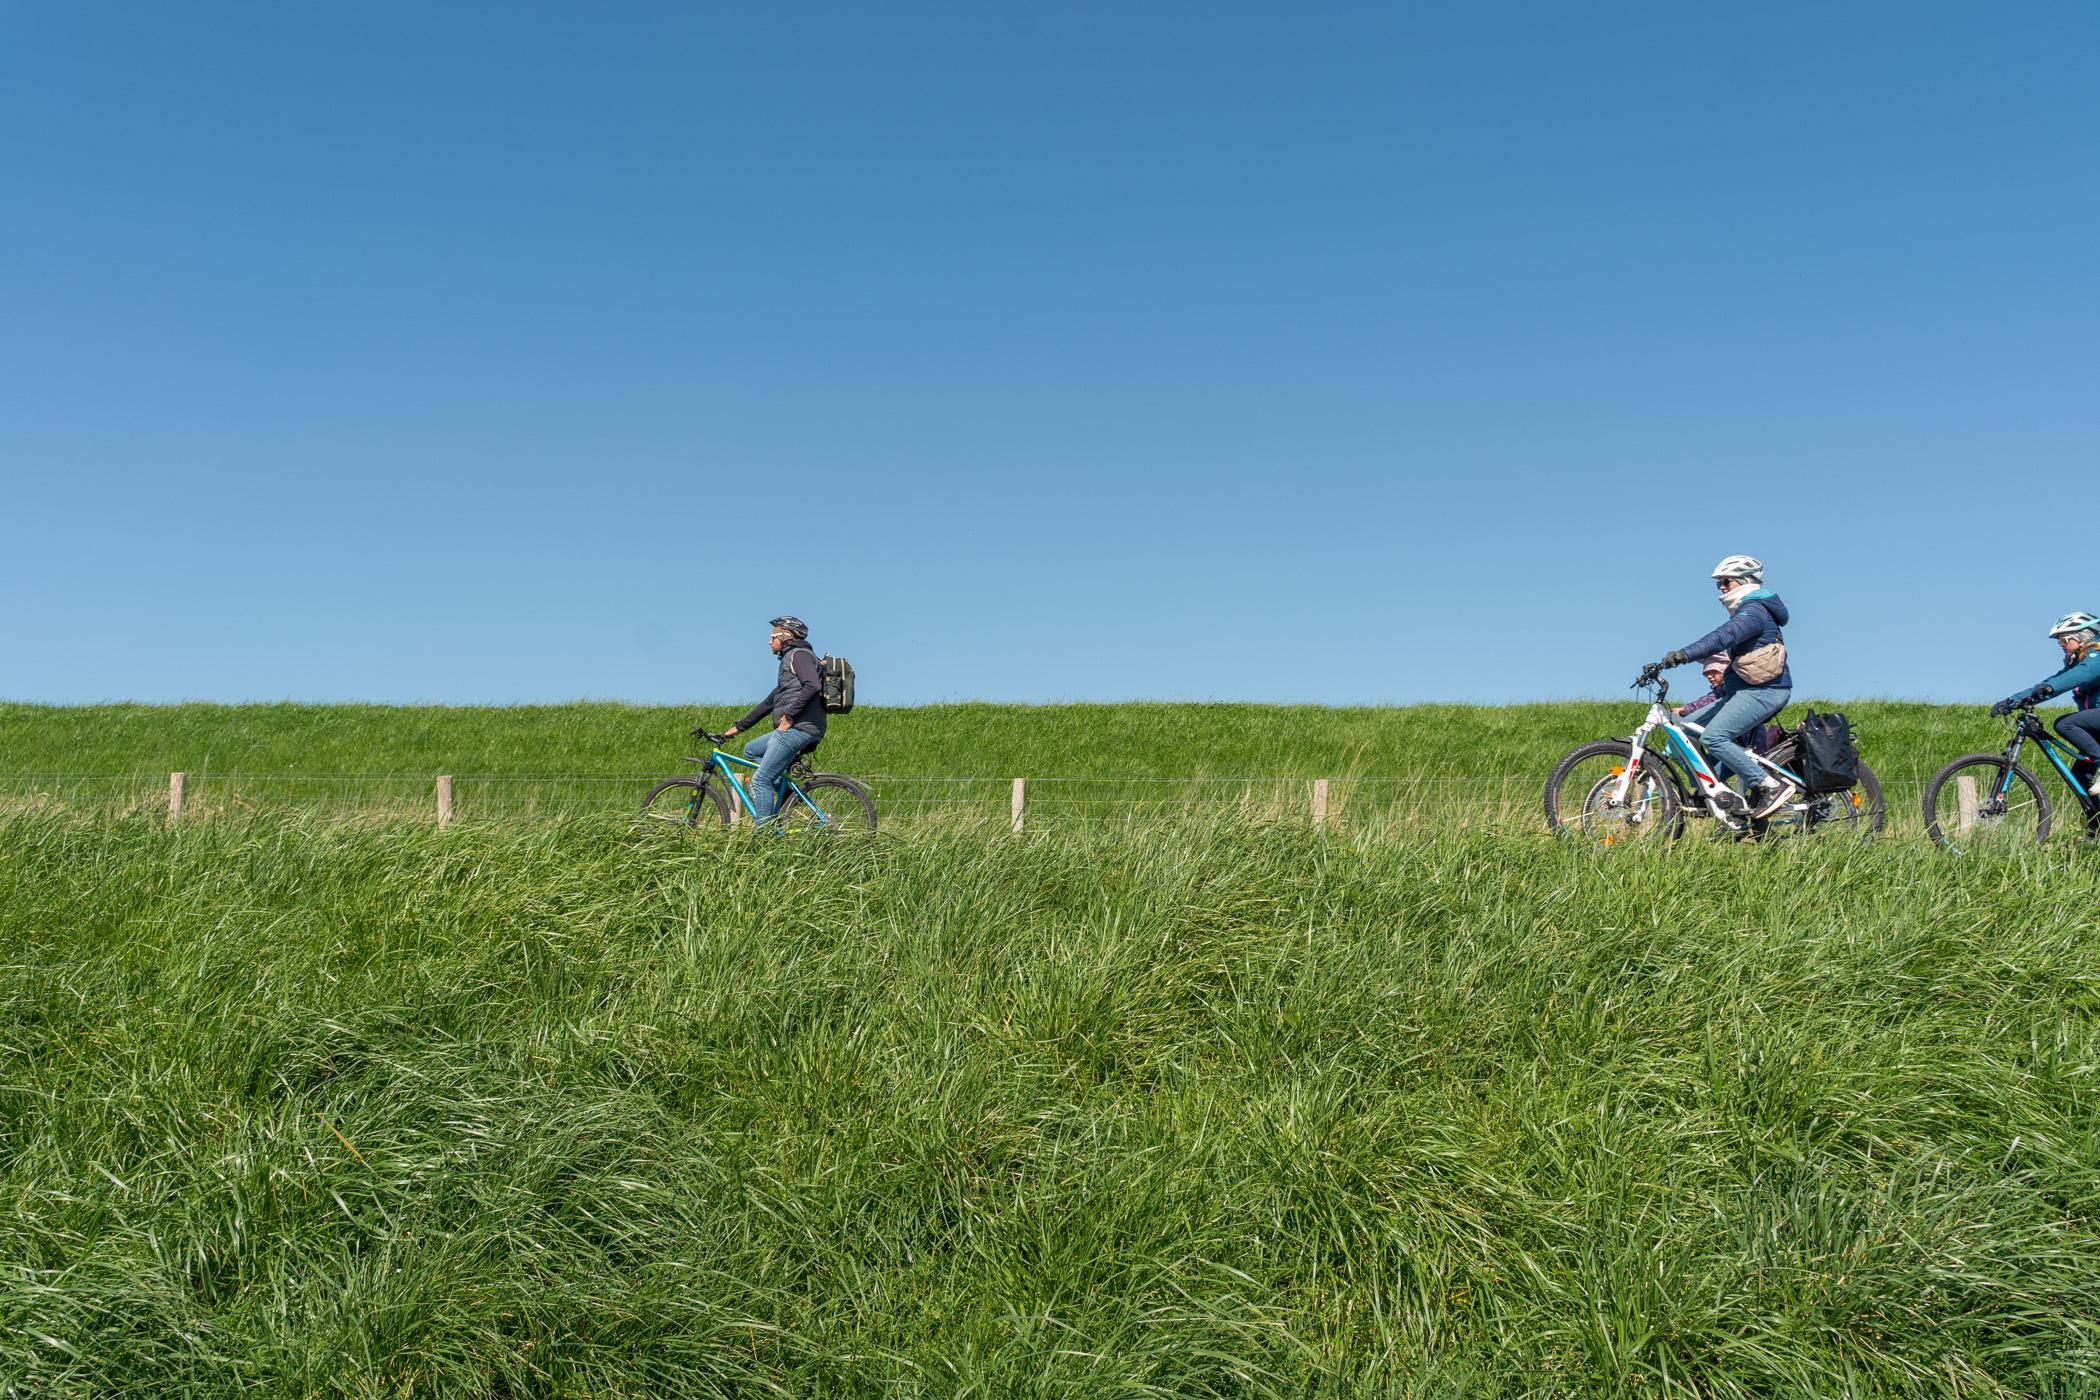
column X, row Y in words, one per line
column 773, row 751
column 1744, row 710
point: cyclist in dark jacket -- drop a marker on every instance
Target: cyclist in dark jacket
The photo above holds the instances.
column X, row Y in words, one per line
column 2078, row 634
column 1755, row 615
column 796, row 705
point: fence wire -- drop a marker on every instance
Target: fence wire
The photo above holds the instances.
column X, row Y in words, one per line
column 899, row 798
column 902, row 800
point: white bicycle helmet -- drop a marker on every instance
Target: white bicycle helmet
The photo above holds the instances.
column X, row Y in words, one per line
column 1742, row 566
column 2075, row 622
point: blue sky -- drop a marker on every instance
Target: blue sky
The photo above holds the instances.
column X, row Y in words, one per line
column 1338, row 353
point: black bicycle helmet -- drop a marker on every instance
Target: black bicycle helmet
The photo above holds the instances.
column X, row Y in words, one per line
column 794, row 626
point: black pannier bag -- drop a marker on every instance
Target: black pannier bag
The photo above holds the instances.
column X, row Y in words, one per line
column 1825, row 756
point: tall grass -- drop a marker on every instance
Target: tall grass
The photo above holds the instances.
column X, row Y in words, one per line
column 1084, row 762
column 1218, row 1108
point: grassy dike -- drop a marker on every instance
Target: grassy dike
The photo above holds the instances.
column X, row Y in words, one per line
column 1085, row 762
column 298, row 1107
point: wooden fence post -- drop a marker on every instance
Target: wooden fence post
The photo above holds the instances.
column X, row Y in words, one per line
column 178, row 788
column 1319, row 802
column 1020, row 801
column 444, row 799
column 1965, row 804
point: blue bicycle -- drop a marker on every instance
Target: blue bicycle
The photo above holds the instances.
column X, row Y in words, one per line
column 829, row 803
column 1986, row 800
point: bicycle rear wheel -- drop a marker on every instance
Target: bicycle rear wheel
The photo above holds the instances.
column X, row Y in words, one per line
column 832, row 804
column 1856, row 814
column 1580, row 796
column 685, row 802
column 1965, row 809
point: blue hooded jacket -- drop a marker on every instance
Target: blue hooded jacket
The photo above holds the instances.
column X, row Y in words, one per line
column 1756, row 622
column 2082, row 680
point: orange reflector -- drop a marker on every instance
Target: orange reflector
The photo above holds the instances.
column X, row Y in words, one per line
column 1619, row 771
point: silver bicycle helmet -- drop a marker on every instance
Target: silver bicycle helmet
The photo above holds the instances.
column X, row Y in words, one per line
column 2075, row 622
column 1743, row 566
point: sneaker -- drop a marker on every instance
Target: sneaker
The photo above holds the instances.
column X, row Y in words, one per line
column 1767, row 798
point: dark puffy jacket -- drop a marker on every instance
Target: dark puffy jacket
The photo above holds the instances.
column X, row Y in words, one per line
column 1755, row 623
column 798, row 693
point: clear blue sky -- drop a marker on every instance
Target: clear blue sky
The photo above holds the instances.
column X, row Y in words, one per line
column 1339, row 353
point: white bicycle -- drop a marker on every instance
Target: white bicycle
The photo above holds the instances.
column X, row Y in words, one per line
column 1623, row 790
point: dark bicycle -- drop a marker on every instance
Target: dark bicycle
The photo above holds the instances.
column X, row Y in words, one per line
column 827, row 803
column 1985, row 801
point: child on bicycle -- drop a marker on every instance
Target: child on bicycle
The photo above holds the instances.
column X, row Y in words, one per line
column 2078, row 634
column 1715, row 669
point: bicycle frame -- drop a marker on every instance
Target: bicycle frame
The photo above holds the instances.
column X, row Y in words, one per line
column 2031, row 728
column 721, row 762
column 1678, row 746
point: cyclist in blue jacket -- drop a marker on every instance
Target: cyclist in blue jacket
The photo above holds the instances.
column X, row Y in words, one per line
column 1755, row 615
column 2078, row 634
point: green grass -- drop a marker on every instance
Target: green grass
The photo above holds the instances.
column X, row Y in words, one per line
column 1145, row 1102
column 297, row 1107
column 1084, row 761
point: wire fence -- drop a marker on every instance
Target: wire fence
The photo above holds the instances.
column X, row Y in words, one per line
column 902, row 800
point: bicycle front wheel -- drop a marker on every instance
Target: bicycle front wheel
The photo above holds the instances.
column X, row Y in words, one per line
column 1582, row 796
column 1975, row 804
column 687, row 803
column 830, row 803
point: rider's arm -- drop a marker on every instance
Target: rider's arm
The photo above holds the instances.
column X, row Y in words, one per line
column 1740, row 628
column 2071, row 678
column 756, row 712
column 1693, row 707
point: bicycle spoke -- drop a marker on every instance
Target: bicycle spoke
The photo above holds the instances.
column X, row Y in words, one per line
column 828, row 806
column 1596, row 801
column 1976, row 805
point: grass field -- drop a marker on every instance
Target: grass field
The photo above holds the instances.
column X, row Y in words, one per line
column 1083, row 761
column 293, row 1105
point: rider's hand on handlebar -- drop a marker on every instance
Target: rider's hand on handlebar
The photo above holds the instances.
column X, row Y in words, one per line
column 2025, row 701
